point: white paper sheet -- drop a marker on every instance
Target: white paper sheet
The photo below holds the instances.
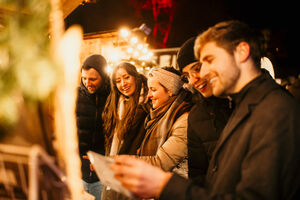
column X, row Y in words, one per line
column 105, row 174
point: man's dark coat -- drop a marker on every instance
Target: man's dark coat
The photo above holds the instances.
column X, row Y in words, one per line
column 258, row 154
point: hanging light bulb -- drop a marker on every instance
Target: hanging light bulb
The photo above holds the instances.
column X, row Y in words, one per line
column 130, row 50
column 133, row 40
column 140, row 46
column 135, row 54
column 124, row 32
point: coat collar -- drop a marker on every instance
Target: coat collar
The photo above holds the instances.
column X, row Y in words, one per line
column 259, row 89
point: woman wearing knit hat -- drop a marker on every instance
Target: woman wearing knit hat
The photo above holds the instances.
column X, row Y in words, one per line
column 124, row 114
column 207, row 117
column 165, row 142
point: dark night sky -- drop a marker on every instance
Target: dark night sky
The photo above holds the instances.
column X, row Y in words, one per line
column 193, row 16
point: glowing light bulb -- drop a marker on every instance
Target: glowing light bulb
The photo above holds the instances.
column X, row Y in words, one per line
column 124, row 32
column 145, row 50
column 109, row 69
column 136, row 53
column 133, row 40
column 130, row 50
column 139, row 46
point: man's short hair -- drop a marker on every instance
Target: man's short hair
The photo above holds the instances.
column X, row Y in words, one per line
column 228, row 35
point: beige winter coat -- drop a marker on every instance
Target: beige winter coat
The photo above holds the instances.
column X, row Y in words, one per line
column 165, row 142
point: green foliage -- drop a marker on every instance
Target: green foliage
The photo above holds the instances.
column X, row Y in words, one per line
column 27, row 71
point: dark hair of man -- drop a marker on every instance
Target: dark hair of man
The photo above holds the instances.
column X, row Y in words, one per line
column 172, row 69
column 228, row 35
column 110, row 114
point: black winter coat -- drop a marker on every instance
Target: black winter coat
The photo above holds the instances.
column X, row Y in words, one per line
column 89, row 108
column 258, row 153
column 205, row 124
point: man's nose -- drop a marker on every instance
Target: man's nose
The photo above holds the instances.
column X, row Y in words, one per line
column 193, row 79
column 87, row 82
column 204, row 71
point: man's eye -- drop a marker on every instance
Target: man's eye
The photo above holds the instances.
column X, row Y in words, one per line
column 197, row 69
column 209, row 60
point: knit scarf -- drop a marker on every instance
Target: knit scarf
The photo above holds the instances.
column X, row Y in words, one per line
column 163, row 118
column 116, row 142
column 156, row 114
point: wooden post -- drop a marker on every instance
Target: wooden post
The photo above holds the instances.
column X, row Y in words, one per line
column 66, row 50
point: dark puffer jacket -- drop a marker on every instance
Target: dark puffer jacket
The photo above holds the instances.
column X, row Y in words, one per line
column 205, row 124
column 89, row 126
column 89, row 108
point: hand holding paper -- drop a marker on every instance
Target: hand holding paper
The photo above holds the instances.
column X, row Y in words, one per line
column 141, row 178
column 102, row 165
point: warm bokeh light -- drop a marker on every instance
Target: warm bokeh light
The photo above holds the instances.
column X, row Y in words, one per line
column 124, row 32
column 113, row 54
column 109, row 69
column 135, row 54
column 130, row 50
column 145, row 50
column 140, row 46
column 133, row 40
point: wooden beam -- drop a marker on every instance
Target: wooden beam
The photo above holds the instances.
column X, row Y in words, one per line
column 69, row 5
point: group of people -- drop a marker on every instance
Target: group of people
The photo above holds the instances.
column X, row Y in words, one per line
column 218, row 128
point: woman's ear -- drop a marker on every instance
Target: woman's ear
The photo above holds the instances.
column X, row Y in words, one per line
column 170, row 93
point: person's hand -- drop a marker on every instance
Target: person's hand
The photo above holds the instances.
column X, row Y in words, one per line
column 139, row 177
column 91, row 165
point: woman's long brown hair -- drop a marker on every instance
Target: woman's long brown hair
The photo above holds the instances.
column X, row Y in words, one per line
column 110, row 114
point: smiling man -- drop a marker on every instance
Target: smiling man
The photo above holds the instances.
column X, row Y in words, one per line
column 258, row 153
column 92, row 94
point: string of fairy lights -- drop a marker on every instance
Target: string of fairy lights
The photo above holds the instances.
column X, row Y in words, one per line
column 131, row 46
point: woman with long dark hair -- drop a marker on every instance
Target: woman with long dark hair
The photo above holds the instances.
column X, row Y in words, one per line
column 124, row 115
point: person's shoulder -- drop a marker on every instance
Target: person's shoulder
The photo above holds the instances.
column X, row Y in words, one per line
column 181, row 121
column 282, row 99
column 81, row 92
column 276, row 106
column 199, row 111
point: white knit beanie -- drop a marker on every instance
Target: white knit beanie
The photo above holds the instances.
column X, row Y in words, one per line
column 169, row 80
